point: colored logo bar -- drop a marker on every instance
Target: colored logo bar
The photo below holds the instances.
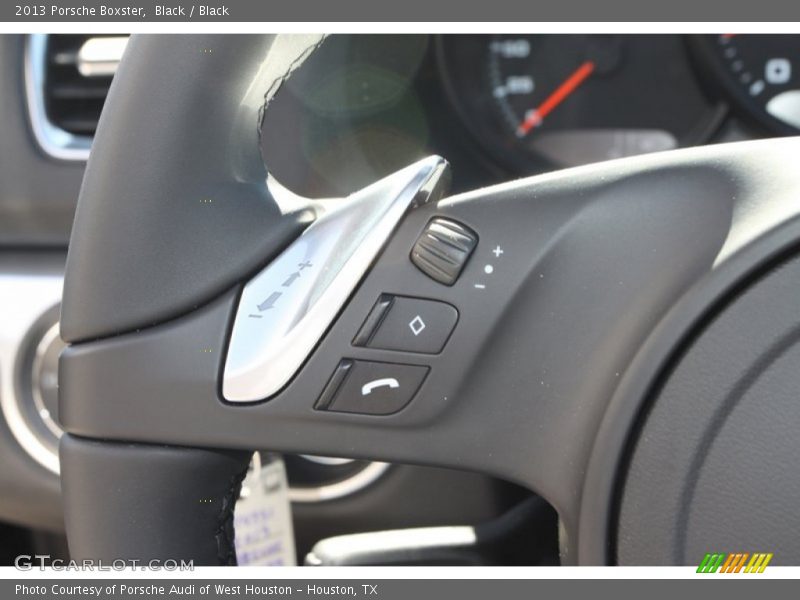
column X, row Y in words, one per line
column 734, row 562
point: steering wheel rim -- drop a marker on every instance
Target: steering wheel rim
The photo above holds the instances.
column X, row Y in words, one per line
column 141, row 411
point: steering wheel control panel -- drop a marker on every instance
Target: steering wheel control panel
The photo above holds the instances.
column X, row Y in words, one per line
column 395, row 323
column 402, row 324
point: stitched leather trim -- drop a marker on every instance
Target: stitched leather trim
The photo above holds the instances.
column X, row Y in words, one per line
column 225, row 534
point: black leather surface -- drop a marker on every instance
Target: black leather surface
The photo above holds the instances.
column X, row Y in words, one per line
column 140, row 502
column 174, row 207
column 715, row 468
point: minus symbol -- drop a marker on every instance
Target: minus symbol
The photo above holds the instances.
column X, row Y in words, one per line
column 480, row 286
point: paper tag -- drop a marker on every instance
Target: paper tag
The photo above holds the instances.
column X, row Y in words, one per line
column 263, row 516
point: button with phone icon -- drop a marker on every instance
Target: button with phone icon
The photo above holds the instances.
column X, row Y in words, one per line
column 389, row 382
column 371, row 388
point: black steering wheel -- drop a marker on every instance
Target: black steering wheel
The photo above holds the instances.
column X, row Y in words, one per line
column 622, row 338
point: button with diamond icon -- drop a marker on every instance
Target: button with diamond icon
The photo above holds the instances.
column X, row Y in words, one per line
column 417, row 325
column 404, row 324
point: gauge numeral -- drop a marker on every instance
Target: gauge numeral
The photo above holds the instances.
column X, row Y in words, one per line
column 515, row 84
column 520, row 48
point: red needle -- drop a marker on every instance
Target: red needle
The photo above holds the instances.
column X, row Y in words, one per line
column 535, row 117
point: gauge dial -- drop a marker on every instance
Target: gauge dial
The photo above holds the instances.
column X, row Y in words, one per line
column 760, row 73
column 549, row 101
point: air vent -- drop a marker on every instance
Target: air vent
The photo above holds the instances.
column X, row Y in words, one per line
column 68, row 77
column 78, row 73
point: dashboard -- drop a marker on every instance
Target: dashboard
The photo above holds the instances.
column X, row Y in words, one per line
column 498, row 107
column 501, row 107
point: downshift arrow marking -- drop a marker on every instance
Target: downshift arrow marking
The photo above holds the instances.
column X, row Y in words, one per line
column 269, row 302
column 291, row 279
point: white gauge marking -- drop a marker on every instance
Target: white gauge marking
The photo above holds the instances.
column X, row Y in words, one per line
column 786, row 107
